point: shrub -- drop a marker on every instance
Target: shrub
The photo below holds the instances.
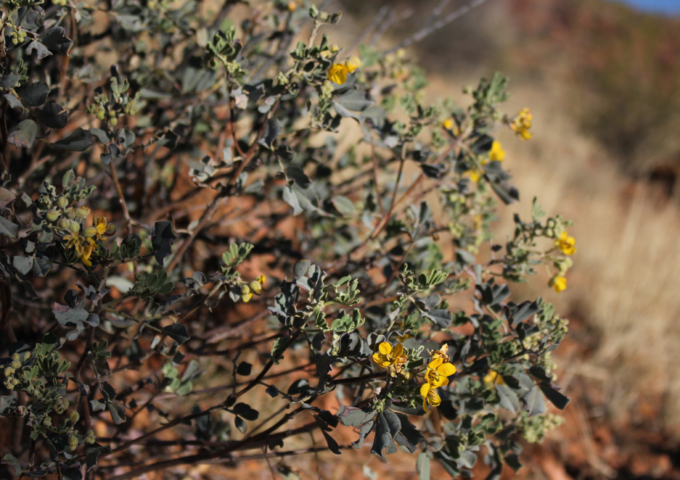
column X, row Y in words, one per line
column 352, row 272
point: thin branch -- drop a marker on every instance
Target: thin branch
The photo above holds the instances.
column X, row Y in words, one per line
column 430, row 29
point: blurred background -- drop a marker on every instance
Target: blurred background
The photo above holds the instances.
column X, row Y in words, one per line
column 603, row 81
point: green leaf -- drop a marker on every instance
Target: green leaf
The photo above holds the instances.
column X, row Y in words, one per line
column 244, row 410
column 35, row 94
column 555, row 397
column 8, row 228
column 12, row 460
column 353, row 416
column 423, row 465
column 355, row 100
column 41, row 51
column 162, row 240
column 23, row 264
column 291, row 199
column 271, row 131
column 298, row 175
column 177, row 332
column 23, row 134
column 79, row 141
column 52, row 115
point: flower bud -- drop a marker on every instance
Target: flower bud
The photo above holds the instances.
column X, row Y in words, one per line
column 62, row 202
column 47, row 421
column 74, row 227
column 9, row 371
column 246, row 297
column 28, row 355
column 64, row 223
column 352, row 63
column 73, row 416
column 82, row 212
column 52, row 215
column 113, row 122
column 16, row 356
column 90, row 232
column 335, row 48
column 291, row 6
column 255, row 286
column 16, row 364
column 245, row 289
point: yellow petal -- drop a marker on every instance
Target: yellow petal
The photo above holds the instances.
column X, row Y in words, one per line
column 434, row 399
column 377, row 358
column 385, row 348
column 425, row 404
column 398, row 350
column 446, row 370
column 436, row 362
column 425, row 389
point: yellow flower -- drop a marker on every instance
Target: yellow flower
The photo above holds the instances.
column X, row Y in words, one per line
column 84, row 247
column 261, row 279
column 558, row 283
column 493, row 378
column 291, row 6
column 438, row 372
column 566, row 244
column 430, row 396
column 338, row 73
column 448, row 124
column 522, row 123
column 387, row 356
column 352, row 63
column 103, row 227
column 440, row 354
column 474, row 175
column 86, row 254
column 496, row 154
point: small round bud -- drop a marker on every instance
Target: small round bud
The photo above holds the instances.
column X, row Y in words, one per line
column 73, row 416
column 72, row 440
column 245, row 289
column 255, row 286
column 71, row 213
column 62, row 202
column 335, row 48
column 16, row 364
column 64, row 223
column 9, row 371
column 28, row 355
column 246, row 297
column 16, row 356
column 291, row 6
column 74, row 227
column 90, row 232
column 53, row 215
column 47, row 421
column 82, row 212
column 113, row 122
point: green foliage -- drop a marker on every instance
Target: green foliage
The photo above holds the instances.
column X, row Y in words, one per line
column 369, row 252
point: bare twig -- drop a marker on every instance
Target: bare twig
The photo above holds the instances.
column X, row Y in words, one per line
column 428, row 29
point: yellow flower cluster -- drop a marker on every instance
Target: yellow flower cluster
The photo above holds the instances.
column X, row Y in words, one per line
column 493, row 378
column 338, row 72
column 522, row 123
column 391, row 358
column 566, row 244
column 438, row 371
column 558, row 283
column 83, row 246
column 253, row 287
column 496, row 154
